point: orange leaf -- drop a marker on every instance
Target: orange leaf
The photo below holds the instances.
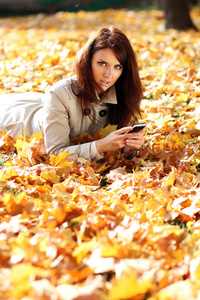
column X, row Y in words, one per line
column 50, row 176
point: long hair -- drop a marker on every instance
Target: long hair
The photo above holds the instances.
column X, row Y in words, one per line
column 128, row 86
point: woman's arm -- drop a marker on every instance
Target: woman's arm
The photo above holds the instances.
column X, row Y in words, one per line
column 56, row 129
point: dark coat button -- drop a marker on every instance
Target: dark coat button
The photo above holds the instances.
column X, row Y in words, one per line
column 103, row 113
column 87, row 111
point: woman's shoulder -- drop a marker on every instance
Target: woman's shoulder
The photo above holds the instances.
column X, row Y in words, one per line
column 64, row 84
column 65, row 90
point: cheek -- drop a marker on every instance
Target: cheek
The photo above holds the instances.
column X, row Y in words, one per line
column 95, row 71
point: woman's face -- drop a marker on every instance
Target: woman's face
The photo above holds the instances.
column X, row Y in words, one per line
column 106, row 68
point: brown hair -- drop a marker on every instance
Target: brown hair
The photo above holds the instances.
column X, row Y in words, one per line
column 128, row 87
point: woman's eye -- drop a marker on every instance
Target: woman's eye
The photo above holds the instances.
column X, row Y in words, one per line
column 118, row 67
column 102, row 63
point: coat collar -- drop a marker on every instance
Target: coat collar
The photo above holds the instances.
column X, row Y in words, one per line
column 109, row 96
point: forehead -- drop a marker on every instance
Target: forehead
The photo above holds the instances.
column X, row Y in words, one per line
column 106, row 54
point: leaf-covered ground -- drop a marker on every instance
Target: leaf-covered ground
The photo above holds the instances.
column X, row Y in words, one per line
column 118, row 229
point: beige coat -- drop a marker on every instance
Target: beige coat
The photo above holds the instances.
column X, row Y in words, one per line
column 58, row 115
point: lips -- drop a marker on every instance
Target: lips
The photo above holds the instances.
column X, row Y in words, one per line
column 105, row 83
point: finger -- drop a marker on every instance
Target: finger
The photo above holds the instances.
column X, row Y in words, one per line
column 135, row 135
column 124, row 130
column 134, row 143
column 139, row 133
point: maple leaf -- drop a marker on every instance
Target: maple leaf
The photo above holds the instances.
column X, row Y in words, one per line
column 107, row 130
column 50, row 176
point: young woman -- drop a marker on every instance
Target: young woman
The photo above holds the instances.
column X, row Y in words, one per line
column 105, row 90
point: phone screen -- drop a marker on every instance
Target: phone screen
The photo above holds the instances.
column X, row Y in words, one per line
column 137, row 127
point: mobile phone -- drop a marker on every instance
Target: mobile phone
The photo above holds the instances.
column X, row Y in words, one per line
column 137, row 127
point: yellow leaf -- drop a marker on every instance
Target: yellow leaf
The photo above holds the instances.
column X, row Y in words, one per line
column 177, row 140
column 191, row 123
column 19, row 144
column 129, row 287
column 83, row 249
column 8, row 174
column 152, row 206
column 59, row 160
column 8, row 164
column 43, row 189
column 21, row 198
column 21, row 278
column 43, row 244
column 21, row 272
column 182, row 97
column 113, row 250
column 107, row 130
column 36, row 136
column 169, row 180
column 14, row 203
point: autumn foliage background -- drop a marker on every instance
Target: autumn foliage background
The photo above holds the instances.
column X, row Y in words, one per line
column 116, row 229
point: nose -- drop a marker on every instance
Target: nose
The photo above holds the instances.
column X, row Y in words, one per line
column 108, row 72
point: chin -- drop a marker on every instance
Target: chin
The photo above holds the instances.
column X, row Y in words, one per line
column 104, row 89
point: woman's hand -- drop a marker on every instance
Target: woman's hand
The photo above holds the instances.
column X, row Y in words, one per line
column 134, row 142
column 119, row 139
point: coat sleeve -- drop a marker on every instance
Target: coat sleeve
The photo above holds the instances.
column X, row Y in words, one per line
column 56, row 131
